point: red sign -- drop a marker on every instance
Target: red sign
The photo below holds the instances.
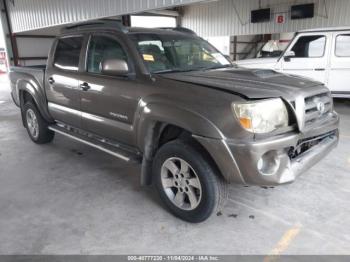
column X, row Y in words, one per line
column 3, row 62
column 280, row 19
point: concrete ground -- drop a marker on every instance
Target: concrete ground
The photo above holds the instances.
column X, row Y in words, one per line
column 67, row 198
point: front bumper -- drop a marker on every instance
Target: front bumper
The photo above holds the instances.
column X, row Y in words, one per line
column 269, row 162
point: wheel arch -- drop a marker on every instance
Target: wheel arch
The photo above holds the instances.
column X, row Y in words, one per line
column 154, row 114
column 159, row 125
column 28, row 91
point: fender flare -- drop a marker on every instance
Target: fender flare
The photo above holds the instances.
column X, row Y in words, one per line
column 39, row 98
column 154, row 113
column 154, row 117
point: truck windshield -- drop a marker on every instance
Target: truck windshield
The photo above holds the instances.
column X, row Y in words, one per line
column 178, row 53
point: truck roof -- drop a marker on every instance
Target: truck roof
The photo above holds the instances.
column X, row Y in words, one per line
column 116, row 25
column 325, row 29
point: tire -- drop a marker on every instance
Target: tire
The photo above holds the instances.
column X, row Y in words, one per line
column 196, row 191
column 36, row 125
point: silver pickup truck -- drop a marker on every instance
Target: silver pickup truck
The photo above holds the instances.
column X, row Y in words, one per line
column 169, row 100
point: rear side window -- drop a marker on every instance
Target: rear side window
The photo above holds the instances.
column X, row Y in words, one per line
column 310, row 46
column 68, row 53
column 102, row 48
column 342, row 46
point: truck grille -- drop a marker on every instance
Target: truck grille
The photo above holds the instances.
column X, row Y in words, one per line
column 317, row 107
column 306, row 144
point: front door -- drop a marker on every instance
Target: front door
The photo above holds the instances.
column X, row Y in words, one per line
column 339, row 77
column 61, row 83
column 310, row 59
column 108, row 103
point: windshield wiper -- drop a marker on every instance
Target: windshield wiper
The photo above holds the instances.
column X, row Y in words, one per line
column 218, row 67
column 174, row 71
column 178, row 70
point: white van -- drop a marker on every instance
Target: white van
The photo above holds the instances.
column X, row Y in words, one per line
column 320, row 54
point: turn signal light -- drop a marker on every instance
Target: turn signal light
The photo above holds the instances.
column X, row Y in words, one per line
column 246, row 123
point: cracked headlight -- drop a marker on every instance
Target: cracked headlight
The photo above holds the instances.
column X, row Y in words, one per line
column 262, row 116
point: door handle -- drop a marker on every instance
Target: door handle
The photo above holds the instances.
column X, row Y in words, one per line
column 51, row 81
column 320, row 69
column 85, row 86
column 287, row 59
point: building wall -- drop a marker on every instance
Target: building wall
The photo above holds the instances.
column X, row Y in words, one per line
column 232, row 17
column 33, row 47
column 28, row 15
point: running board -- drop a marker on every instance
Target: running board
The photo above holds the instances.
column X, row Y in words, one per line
column 107, row 148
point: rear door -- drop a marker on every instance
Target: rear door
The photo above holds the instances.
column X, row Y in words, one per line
column 108, row 103
column 311, row 56
column 339, row 77
column 62, row 85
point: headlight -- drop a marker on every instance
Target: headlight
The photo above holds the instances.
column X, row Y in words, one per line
column 262, row 116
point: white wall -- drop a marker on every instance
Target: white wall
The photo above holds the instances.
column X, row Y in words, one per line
column 33, row 47
column 153, row 21
column 222, row 43
column 232, row 17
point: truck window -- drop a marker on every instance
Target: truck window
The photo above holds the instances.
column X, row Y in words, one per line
column 68, row 53
column 342, row 46
column 101, row 48
column 310, row 46
column 163, row 52
column 154, row 55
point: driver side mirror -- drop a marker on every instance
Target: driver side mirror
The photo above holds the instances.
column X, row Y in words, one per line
column 114, row 67
column 288, row 55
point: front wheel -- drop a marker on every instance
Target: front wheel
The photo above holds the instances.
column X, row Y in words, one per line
column 36, row 125
column 187, row 182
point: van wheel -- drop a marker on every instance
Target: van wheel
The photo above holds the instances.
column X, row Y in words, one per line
column 36, row 125
column 186, row 181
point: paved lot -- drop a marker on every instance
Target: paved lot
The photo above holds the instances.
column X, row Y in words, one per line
column 67, row 198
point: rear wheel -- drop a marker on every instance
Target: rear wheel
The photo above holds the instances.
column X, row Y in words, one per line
column 36, row 125
column 186, row 181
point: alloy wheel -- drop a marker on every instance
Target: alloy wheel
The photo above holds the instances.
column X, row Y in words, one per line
column 32, row 123
column 181, row 183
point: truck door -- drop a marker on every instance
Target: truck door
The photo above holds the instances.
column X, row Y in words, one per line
column 62, row 85
column 339, row 77
column 108, row 102
column 307, row 56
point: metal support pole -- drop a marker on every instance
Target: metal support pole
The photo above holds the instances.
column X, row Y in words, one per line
column 10, row 39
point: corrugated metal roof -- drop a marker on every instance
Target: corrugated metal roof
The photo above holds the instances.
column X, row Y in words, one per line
column 28, row 15
column 232, row 17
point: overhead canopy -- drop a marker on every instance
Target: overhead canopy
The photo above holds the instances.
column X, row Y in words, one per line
column 27, row 15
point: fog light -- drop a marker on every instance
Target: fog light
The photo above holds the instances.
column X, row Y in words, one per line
column 269, row 163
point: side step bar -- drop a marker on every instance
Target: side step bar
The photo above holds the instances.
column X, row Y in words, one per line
column 107, row 148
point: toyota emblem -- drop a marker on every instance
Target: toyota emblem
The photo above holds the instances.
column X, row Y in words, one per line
column 321, row 108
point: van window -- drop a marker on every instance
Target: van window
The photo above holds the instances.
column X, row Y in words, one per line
column 342, row 46
column 68, row 53
column 101, row 48
column 310, row 46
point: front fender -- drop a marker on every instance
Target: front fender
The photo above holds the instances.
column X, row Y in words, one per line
column 190, row 121
column 202, row 129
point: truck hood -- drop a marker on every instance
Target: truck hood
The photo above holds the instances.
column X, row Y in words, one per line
column 247, row 83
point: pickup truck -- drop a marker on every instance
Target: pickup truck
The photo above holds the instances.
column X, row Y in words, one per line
column 320, row 54
column 167, row 99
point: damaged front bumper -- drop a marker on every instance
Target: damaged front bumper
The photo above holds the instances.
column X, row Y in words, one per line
column 273, row 161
